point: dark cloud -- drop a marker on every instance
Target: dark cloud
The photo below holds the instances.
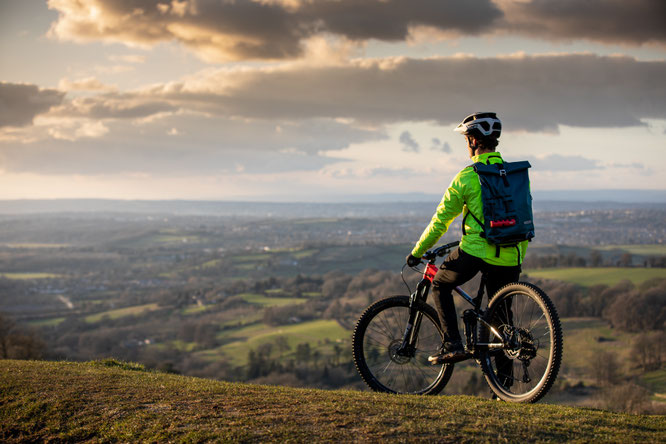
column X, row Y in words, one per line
column 391, row 19
column 260, row 29
column 222, row 30
column 532, row 93
column 608, row 21
column 21, row 103
column 408, row 142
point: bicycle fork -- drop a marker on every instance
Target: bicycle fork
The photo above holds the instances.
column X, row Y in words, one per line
column 410, row 336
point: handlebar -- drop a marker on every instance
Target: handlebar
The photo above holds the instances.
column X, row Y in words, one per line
column 431, row 255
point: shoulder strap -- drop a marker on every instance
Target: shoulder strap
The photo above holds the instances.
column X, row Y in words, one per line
column 469, row 213
column 492, row 155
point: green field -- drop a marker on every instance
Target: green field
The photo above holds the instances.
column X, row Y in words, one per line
column 319, row 334
column 584, row 338
column 51, row 322
column 210, row 264
column 34, row 245
column 639, row 249
column 656, row 380
column 265, row 301
column 121, row 312
column 193, row 309
column 592, row 276
column 110, row 401
column 25, row 276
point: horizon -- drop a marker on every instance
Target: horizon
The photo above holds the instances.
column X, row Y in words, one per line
column 575, row 196
column 291, row 99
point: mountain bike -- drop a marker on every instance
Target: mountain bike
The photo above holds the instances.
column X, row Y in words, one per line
column 516, row 340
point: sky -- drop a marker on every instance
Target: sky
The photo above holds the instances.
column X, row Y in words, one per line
column 321, row 100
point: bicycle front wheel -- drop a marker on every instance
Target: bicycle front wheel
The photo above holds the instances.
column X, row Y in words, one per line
column 377, row 342
column 526, row 365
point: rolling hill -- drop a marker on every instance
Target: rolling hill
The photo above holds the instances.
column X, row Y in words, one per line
column 114, row 401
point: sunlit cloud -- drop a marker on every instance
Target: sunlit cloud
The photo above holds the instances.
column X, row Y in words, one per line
column 581, row 90
column 85, row 84
column 262, row 29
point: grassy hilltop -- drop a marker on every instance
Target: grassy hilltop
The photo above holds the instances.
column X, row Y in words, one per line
column 110, row 401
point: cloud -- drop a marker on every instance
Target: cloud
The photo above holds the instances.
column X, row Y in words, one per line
column 86, row 84
column 114, row 106
column 212, row 145
column 259, row 29
column 219, row 31
column 530, row 93
column 21, row 103
column 633, row 22
column 408, row 142
column 437, row 145
column 556, row 162
column 73, row 130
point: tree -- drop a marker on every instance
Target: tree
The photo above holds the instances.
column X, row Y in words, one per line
column 649, row 349
column 282, row 344
column 338, row 351
column 6, row 326
column 605, row 368
column 303, row 352
column 595, row 259
column 625, row 260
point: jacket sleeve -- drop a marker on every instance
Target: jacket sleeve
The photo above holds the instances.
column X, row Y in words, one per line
column 448, row 209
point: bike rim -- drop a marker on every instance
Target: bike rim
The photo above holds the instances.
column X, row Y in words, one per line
column 401, row 374
column 534, row 330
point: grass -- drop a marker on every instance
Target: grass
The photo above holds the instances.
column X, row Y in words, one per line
column 656, row 380
column 114, row 401
column 51, row 322
column 34, row 245
column 639, row 249
column 592, row 276
column 264, row 301
column 581, row 346
column 211, row 263
column 25, row 276
column 320, row 334
column 194, row 309
column 121, row 312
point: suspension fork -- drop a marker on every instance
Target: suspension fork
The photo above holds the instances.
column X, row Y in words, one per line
column 411, row 334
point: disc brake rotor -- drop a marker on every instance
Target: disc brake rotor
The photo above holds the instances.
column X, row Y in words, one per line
column 395, row 353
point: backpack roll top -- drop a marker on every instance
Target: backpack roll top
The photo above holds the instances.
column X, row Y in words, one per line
column 507, row 202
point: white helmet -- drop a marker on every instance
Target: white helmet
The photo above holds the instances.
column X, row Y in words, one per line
column 480, row 125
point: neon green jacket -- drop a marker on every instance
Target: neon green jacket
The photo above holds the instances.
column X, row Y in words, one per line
column 464, row 194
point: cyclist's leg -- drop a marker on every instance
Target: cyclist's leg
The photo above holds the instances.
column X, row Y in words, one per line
column 497, row 277
column 457, row 269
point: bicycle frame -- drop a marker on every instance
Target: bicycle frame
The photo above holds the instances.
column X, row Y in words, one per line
column 470, row 316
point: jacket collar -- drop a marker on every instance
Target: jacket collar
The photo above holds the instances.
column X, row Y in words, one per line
column 484, row 157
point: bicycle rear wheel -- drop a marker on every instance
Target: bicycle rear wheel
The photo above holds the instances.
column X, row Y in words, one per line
column 377, row 338
column 526, row 367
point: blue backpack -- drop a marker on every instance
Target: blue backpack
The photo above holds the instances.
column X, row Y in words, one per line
column 507, row 203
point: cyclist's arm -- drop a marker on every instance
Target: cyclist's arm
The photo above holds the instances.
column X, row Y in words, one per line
column 448, row 209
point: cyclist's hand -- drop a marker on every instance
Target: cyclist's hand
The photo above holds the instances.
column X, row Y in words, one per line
column 413, row 261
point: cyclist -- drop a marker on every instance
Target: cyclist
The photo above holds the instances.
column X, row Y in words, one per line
column 501, row 265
